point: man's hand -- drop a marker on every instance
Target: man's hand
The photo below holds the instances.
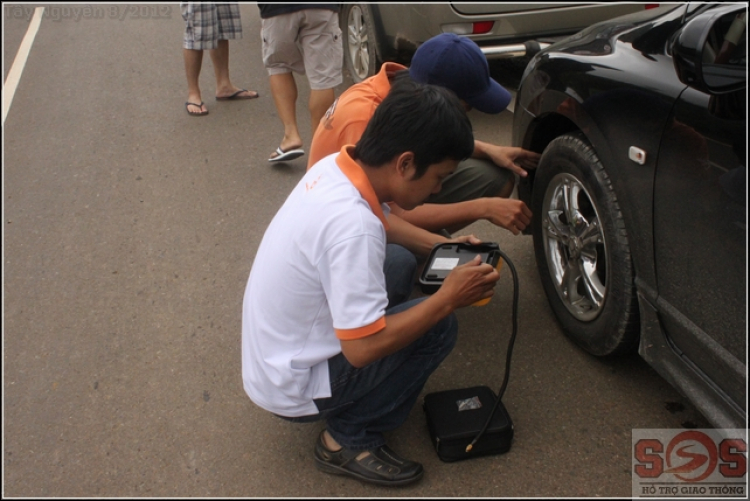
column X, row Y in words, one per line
column 513, row 215
column 469, row 283
column 512, row 158
column 465, row 239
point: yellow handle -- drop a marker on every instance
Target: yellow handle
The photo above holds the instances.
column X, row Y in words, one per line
column 486, row 300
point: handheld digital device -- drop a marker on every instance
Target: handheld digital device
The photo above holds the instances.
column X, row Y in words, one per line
column 444, row 257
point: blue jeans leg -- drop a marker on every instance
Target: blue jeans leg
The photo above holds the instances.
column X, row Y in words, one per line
column 368, row 401
column 400, row 268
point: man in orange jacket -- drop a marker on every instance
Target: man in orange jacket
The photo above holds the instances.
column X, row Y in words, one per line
column 480, row 186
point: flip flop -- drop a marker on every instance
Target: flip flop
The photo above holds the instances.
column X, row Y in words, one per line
column 236, row 96
column 194, row 113
column 286, row 155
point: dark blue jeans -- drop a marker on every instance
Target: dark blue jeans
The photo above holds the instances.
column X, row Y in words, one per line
column 376, row 398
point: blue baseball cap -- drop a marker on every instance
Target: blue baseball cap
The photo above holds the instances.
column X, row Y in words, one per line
column 458, row 64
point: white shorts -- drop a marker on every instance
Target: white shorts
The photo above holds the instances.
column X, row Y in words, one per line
column 306, row 42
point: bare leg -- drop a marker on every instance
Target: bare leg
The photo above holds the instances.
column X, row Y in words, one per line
column 507, row 190
column 330, row 442
column 320, row 101
column 220, row 58
column 284, row 90
column 193, row 62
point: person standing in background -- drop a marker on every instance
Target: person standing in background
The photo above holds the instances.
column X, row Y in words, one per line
column 306, row 39
column 210, row 26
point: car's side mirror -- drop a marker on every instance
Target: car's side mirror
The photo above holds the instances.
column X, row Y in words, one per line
column 709, row 52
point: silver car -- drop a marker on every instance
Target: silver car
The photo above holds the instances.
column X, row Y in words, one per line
column 391, row 32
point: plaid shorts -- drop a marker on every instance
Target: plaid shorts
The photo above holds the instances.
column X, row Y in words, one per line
column 207, row 23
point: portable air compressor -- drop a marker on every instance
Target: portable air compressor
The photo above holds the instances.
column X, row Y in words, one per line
column 468, row 422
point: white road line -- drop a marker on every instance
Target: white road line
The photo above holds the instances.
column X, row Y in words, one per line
column 14, row 75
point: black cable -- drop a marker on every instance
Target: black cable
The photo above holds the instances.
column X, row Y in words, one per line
column 510, row 350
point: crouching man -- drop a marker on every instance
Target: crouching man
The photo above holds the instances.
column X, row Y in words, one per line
column 320, row 340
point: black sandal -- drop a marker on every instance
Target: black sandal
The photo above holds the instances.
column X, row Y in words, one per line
column 195, row 113
column 379, row 466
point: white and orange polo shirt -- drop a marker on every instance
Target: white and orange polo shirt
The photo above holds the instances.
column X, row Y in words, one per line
column 317, row 278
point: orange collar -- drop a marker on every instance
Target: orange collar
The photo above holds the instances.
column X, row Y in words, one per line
column 359, row 179
column 388, row 71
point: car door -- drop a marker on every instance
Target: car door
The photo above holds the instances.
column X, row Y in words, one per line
column 700, row 234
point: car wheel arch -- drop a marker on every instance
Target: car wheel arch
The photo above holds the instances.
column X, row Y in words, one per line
column 553, row 125
column 550, row 126
column 558, row 113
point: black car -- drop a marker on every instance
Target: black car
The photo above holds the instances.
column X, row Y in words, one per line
column 640, row 197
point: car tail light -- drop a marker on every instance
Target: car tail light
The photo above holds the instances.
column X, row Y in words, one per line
column 651, row 6
column 481, row 27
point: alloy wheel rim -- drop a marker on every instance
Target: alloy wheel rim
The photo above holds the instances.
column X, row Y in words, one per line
column 359, row 53
column 575, row 247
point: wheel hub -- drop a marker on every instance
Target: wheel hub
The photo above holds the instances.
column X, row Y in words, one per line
column 358, row 42
column 573, row 243
column 574, row 247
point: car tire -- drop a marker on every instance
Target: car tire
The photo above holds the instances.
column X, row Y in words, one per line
column 360, row 43
column 582, row 249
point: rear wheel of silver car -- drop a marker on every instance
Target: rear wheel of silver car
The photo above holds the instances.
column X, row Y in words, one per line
column 360, row 56
column 582, row 249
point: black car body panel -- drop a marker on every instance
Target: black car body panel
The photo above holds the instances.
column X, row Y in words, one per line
column 588, row 88
column 682, row 188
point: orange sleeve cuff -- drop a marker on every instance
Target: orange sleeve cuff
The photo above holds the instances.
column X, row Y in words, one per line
column 360, row 332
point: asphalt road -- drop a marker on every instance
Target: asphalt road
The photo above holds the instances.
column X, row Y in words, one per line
column 129, row 232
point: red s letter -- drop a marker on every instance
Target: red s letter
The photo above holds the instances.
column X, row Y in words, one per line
column 730, row 451
column 646, row 452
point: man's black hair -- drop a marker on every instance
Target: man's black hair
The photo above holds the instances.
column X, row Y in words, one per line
column 427, row 120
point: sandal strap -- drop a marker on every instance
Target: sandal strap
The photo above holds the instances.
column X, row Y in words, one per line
column 380, row 465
